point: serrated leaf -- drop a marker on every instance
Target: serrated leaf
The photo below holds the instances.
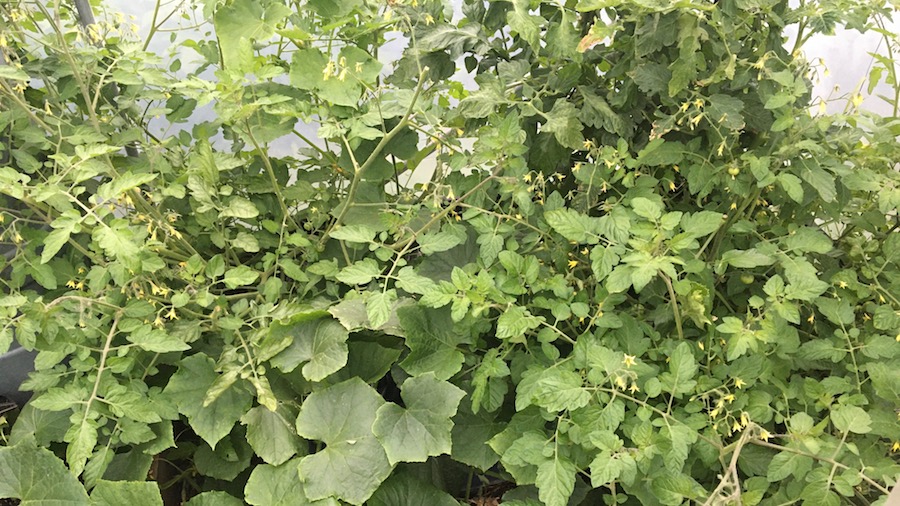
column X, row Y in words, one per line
column 250, row 20
column 354, row 233
column 573, row 225
column 514, row 322
column 437, row 242
column 188, row 389
column 36, row 476
column 320, row 344
column 851, row 419
column 556, row 481
column 785, row 464
column 563, row 122
column 271, row 434
column 360, row 273
column 279, row 486
column 679, row 379
column 527, row 25
column 378, row 307
column 404, row 489
column 423, row 428
column 241, row 208
column 432, row 341
column 353, row 463
column 132, row 493
column 240, row 276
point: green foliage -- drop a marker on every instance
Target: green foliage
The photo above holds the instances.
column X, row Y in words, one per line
column 635, row 268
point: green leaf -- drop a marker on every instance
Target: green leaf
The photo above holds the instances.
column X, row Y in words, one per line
column 851, row 419
column 354, row 233
column 573, row 225
column 35, row 476
column 673, row 489
column 437, row 242
column 378, row 307
column 432, row 340
column 251, row 20
column 701, row 224
column 659, row 152
column 423, row 428
column 123, row 183
column 133, row 493
column 321, row 344
column 787, row 463
column 747, row 259
column 556, row 481
column 792, row 186
column 241, row 208
column 188, row 389
column 403, row 489
column 646, row 208
column 556, row 389
column 156, row 340
column 214, row 498
column 360, row 273
column 563, row 122
column 279, row 486
column 514, row 322
column 353, row 463
column 117, row 240
column 679, row 379
column 271, row 434
column 240, row 276
column 527, row 25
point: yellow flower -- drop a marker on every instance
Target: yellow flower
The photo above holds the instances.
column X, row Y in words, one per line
column 158, row 322
column 629, row 360
column 171, row 314
column 634, row 388
column 576, row 168
column 429, row 19
column 588, row 144
column 736, row 426
column 857, row 100
column 764, row 435
column 745, row 419
column 71, row 283
column 620, row 381
column 842, row 284
column 733, row 206
column 895, row 447
column 714, row 413
column 527, row 178
column 728, row 398
column 738, row 382
column 573, row 264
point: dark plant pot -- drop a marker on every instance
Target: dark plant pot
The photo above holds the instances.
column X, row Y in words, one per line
column 14, row 368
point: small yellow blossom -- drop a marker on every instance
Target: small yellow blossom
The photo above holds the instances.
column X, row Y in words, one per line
column 3, row 42
column 158, row 322
column 733, row 206
column 588, row 144
column 620, row 381
column 629, row 360
column 576, row 168
column 171, row 314
column 17, row 238
column 857, row 100
column 701, row 346
column 738, row 382
column 634, row 388
column 714, row 413
column 429, row 19
column 842, row 284
column 745, row 419
column 573, row 264
column 728, row 398
column 812, row 318
column 527, row 178
column 343, row 75
column 895, row 447
column 671, row 186
column 736, row 427
column 71, row 283
column 764, row 435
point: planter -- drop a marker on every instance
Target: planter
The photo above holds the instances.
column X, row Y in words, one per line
column 14, row 368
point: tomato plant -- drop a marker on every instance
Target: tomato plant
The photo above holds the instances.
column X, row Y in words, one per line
column 626, row 264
